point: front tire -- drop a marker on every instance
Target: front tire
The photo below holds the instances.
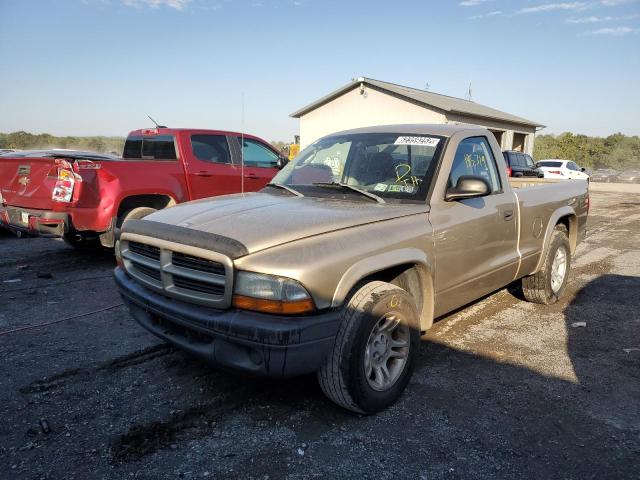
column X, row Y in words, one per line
column 548, row 284
column 375, row 349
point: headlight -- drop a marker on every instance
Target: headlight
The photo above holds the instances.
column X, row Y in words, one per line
column 270, row 294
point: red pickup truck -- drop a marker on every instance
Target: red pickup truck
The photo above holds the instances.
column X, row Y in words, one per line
column 85, row 197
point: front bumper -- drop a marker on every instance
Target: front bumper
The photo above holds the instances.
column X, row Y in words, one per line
column 251, row 342
column 36, row 222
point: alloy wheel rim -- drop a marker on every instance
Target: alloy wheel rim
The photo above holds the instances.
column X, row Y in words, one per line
column 558, row 269
column 387, row 352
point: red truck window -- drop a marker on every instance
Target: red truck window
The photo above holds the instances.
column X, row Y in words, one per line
column 158, row 147
column 257, row 155
column 211, row 148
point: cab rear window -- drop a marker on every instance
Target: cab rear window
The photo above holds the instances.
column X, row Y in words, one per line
column 157, row 147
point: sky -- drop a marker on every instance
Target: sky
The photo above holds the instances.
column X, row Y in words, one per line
column 99, row 67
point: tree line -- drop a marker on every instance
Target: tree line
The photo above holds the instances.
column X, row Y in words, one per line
column 615, row 151
column 43, row 141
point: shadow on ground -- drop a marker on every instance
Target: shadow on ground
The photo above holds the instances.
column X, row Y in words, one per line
column 465, row 414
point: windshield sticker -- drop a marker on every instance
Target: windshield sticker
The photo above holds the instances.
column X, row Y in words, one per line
column 380, row 187
column 424, row 141
column 401, row 189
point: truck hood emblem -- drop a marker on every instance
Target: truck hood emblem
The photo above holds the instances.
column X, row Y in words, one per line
column 24, row 181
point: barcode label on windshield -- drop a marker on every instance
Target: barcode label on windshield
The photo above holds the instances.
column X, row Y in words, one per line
column 426, row 141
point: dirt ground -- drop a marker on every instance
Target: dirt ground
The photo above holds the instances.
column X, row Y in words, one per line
column 503, row 388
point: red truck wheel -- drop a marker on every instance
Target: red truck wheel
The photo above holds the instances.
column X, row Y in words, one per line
column 135, row 214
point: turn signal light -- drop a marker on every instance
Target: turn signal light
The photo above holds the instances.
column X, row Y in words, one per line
column 273, row 306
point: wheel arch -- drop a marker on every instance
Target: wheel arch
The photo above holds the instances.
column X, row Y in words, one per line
column 409, row 269
column 564, row 216
column 152, row 200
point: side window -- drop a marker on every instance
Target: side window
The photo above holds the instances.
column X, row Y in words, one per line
column 132, row 147
column 257, row 155
column 573, row 166
column 474, row 157
column 159, row 147
column 522, row 161
column 529, row 161
column 211, row 148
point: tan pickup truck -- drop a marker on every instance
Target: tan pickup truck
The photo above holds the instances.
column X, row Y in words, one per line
column 344, row 261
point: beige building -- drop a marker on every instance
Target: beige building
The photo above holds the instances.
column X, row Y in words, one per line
column 366, row 102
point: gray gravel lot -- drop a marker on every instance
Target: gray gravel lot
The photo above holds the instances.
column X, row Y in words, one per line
column 503, row 388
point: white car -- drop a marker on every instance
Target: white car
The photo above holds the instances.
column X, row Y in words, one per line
column 562, row 169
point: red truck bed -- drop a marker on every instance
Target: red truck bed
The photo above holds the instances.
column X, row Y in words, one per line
column 84, row 196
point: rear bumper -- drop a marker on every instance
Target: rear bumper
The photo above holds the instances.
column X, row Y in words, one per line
column 266, row 345
column 36, row 222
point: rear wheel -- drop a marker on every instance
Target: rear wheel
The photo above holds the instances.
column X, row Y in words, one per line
column 547, row 285
column 133, row 214
column 374, row 351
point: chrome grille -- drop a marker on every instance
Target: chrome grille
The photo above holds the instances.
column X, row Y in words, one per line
column 200, row 264
column 205, row 280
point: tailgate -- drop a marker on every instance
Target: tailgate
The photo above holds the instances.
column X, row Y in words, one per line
column 28, row 182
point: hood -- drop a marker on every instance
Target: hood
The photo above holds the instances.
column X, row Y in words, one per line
column 260, row 220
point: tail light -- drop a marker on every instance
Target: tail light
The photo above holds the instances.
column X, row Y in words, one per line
column 557, row 172
column 63, row 189
column 509, row 172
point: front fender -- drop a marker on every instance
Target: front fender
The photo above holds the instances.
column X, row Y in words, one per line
column 377, row 263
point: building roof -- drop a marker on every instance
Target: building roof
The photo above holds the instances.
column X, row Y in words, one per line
column 443, row 130
column 425, row 98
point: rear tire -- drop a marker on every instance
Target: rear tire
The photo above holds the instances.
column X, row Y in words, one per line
column 374, row 351
column 548, row 284
column 133, row 214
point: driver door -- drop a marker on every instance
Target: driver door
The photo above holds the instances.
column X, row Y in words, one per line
column 475, row 238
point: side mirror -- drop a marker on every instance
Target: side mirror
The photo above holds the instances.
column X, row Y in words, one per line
column 583, row 169
column 468, row 187
column 282, row 162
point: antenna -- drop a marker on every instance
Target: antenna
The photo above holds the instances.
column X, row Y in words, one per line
column 242, row 146
column 157, row 125
column 470, row 93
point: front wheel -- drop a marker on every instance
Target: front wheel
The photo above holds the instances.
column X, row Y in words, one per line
column 374, row 351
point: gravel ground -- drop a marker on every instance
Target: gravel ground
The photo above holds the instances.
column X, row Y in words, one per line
column 503, row 388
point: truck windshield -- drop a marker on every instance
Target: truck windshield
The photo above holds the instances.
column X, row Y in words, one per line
column 389, row 165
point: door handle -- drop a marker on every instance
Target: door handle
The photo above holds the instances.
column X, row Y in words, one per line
column 508, row 215
column 203, row 174
column 252, row 177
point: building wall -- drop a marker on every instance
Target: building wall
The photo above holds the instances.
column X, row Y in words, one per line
column 353, row 110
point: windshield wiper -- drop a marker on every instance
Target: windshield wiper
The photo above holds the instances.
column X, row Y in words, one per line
column 284, row 187
column 372, row 196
